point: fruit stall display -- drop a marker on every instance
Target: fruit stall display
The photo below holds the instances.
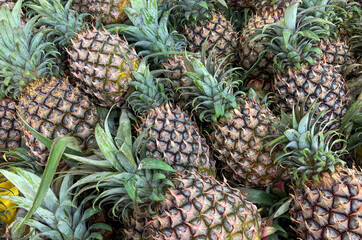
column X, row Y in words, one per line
column 181, row 119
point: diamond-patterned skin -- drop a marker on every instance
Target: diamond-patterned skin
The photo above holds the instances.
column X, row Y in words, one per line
column 249, row 52
column 103, row 62
column 330, row 209
column 10, row 134
column 111, row 11
column 239, row 144
column 218, row 31
column 200, row 207
column 177, row 138
column 55, row 108
column 337, row 53
column 320, row 81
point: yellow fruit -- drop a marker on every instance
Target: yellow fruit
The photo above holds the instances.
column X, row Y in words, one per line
column 5, row 204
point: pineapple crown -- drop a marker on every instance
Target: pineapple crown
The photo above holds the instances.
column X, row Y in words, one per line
column 213, row 89
column 149, row 91
column 353, row 27
column 64, row 22
column 58, row 217
column 338, row 12
column 307, row 144
column 190, row 11
column 294, row 39
column 121, row 169
column 24, row 56
column 150, row 30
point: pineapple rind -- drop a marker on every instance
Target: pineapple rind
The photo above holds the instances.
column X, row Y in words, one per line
column 175, row 137
column 200, row 207
column 318, row 81
column 239, row 143
column 103, row 62
column 330, row 209
column 56, row 108
column 10, row 135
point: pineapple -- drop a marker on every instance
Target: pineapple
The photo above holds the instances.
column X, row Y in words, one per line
column 239, row 125
column 60, row 216
column 9, row 4
column 151, row 35
column 48, row 104
column 327, row 196
column 202, row 23
column 336, row 48
column 101, row 61
column 183, row 205
column 7, row 210
column 249, row 51
column 110, row 11
column 173, row 135
column 238, row 4
column 10, row 135
column 300, row 73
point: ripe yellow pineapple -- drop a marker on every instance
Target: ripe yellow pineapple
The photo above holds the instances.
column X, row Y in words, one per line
column 101, row 61
column 50, row 105
column 327, row 196
column 7, row 216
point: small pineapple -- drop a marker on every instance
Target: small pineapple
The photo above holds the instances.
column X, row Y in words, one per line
column 336, row 48
column 101, row 61
column 327, row 196
column 46, row 101
column 249, row 51
column 173, row 135
column 300, row 73
column 187, row 206
column 60, row 216
column 239, row 125
column 10, row 135
column 110, row 11
column 152, row 36
column 202, row 23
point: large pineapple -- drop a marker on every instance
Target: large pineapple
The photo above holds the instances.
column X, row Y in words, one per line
column 60, row 215
column 49, row 105
column 327, row 196
column 239, row 125
column 101, row 61
column 173, row 134
column 300, row 73
column 187, row 206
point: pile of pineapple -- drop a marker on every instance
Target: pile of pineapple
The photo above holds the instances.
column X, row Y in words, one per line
column 181, row 119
